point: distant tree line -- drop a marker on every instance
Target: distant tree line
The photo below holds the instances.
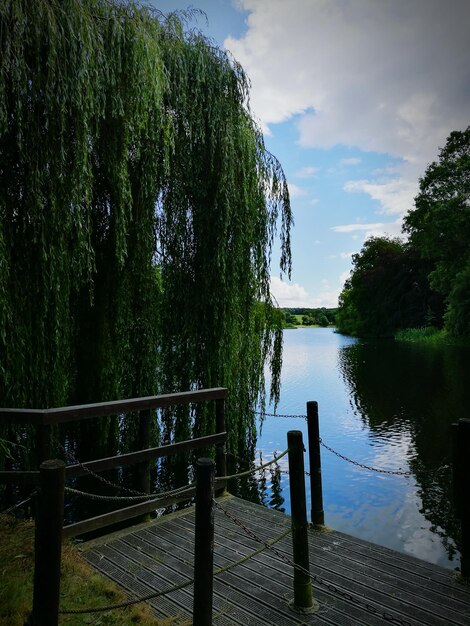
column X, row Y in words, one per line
column 424, row 280
column 309, row 317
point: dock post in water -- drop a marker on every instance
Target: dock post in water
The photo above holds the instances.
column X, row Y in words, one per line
column 316, row 491
column 461, row 455
column 303, row 599
column 48, row 544
column 204, row 543
column 143, row 469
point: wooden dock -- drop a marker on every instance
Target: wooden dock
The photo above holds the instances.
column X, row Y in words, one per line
column 357, row 583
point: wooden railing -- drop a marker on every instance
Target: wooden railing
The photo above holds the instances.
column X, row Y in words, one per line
column 52, row 475
column 43, row 418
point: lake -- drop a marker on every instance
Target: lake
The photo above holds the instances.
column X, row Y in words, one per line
column 385, row 404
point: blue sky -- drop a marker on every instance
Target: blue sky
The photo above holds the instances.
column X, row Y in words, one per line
column 355, row 97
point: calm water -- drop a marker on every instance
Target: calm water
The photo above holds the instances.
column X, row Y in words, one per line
column 388, row 405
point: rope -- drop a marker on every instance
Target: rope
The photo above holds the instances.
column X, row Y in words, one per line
column 178, row 491
column 254, row 470
column 157, row 594
column 123, row 605
column 268, row 545
column 148, row 496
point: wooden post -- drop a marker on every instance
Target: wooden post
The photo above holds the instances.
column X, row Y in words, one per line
column 461, row 456
column 48, row 544
column 144, row 443
column 303, row 600
column 43, row 442
column 316, row 491
column 220, row 452
column 204, row 543
column 457, row 473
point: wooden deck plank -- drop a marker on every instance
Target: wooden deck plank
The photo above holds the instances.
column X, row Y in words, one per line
column 363, row 584
column 333, row 564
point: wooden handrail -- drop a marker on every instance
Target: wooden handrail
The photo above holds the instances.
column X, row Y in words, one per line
column 100, row 465
column 101, row 409
column 120, row 460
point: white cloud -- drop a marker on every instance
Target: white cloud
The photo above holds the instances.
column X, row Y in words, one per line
column 350, row 161
column 380, row 229
column 346, row 255
column 294, row 295
column 307, row 172
column 344, row 277
column 381, row 76
column 288, row 295
column 395, row 196
column 295, row 191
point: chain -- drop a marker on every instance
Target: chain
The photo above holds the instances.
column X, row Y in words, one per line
column 362, row 465
column 89, row 471
column 342, row 456
column 254, row 469
column 264, row 414
column 18, row 504
column 317, row 579
column 157, row 594
column 147, row 496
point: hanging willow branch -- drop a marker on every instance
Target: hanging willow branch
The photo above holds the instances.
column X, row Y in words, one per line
column 139, row 208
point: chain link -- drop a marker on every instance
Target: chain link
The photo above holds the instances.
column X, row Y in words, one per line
column 264, row 414
column 342, row 456
column 70, row 456
column 317, row 579
column 157, row 594
column 363, row 465
column 254, row 469
column 12, row 508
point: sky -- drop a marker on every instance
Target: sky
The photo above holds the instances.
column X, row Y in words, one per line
column 355, row 99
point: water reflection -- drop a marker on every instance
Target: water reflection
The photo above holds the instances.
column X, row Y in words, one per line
column 413, row 393
column 387, row 405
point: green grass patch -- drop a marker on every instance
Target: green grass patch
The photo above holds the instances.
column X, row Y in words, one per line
column 429, row 335
column 81, row 585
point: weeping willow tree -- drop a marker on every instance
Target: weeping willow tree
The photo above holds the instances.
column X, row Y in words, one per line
column 139, row 207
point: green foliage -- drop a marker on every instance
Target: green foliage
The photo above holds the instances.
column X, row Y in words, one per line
column 457, row 318
column 439, row 228
column 439, row 225
column 80, row 586
column 426, row 334
column 397, row 286
column 309, row 317
column 387, row 290
column 138, row 212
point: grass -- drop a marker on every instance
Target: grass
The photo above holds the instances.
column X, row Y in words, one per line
column 81, row 586
column 428, row 335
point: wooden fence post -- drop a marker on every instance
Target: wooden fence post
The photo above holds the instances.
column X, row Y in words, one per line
column 220, row 452
column 316, row 491
column 48, row 544
column 303, row 599
column 204, row 543
column 144, row 443
column 43, row 442
column 461, row 455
